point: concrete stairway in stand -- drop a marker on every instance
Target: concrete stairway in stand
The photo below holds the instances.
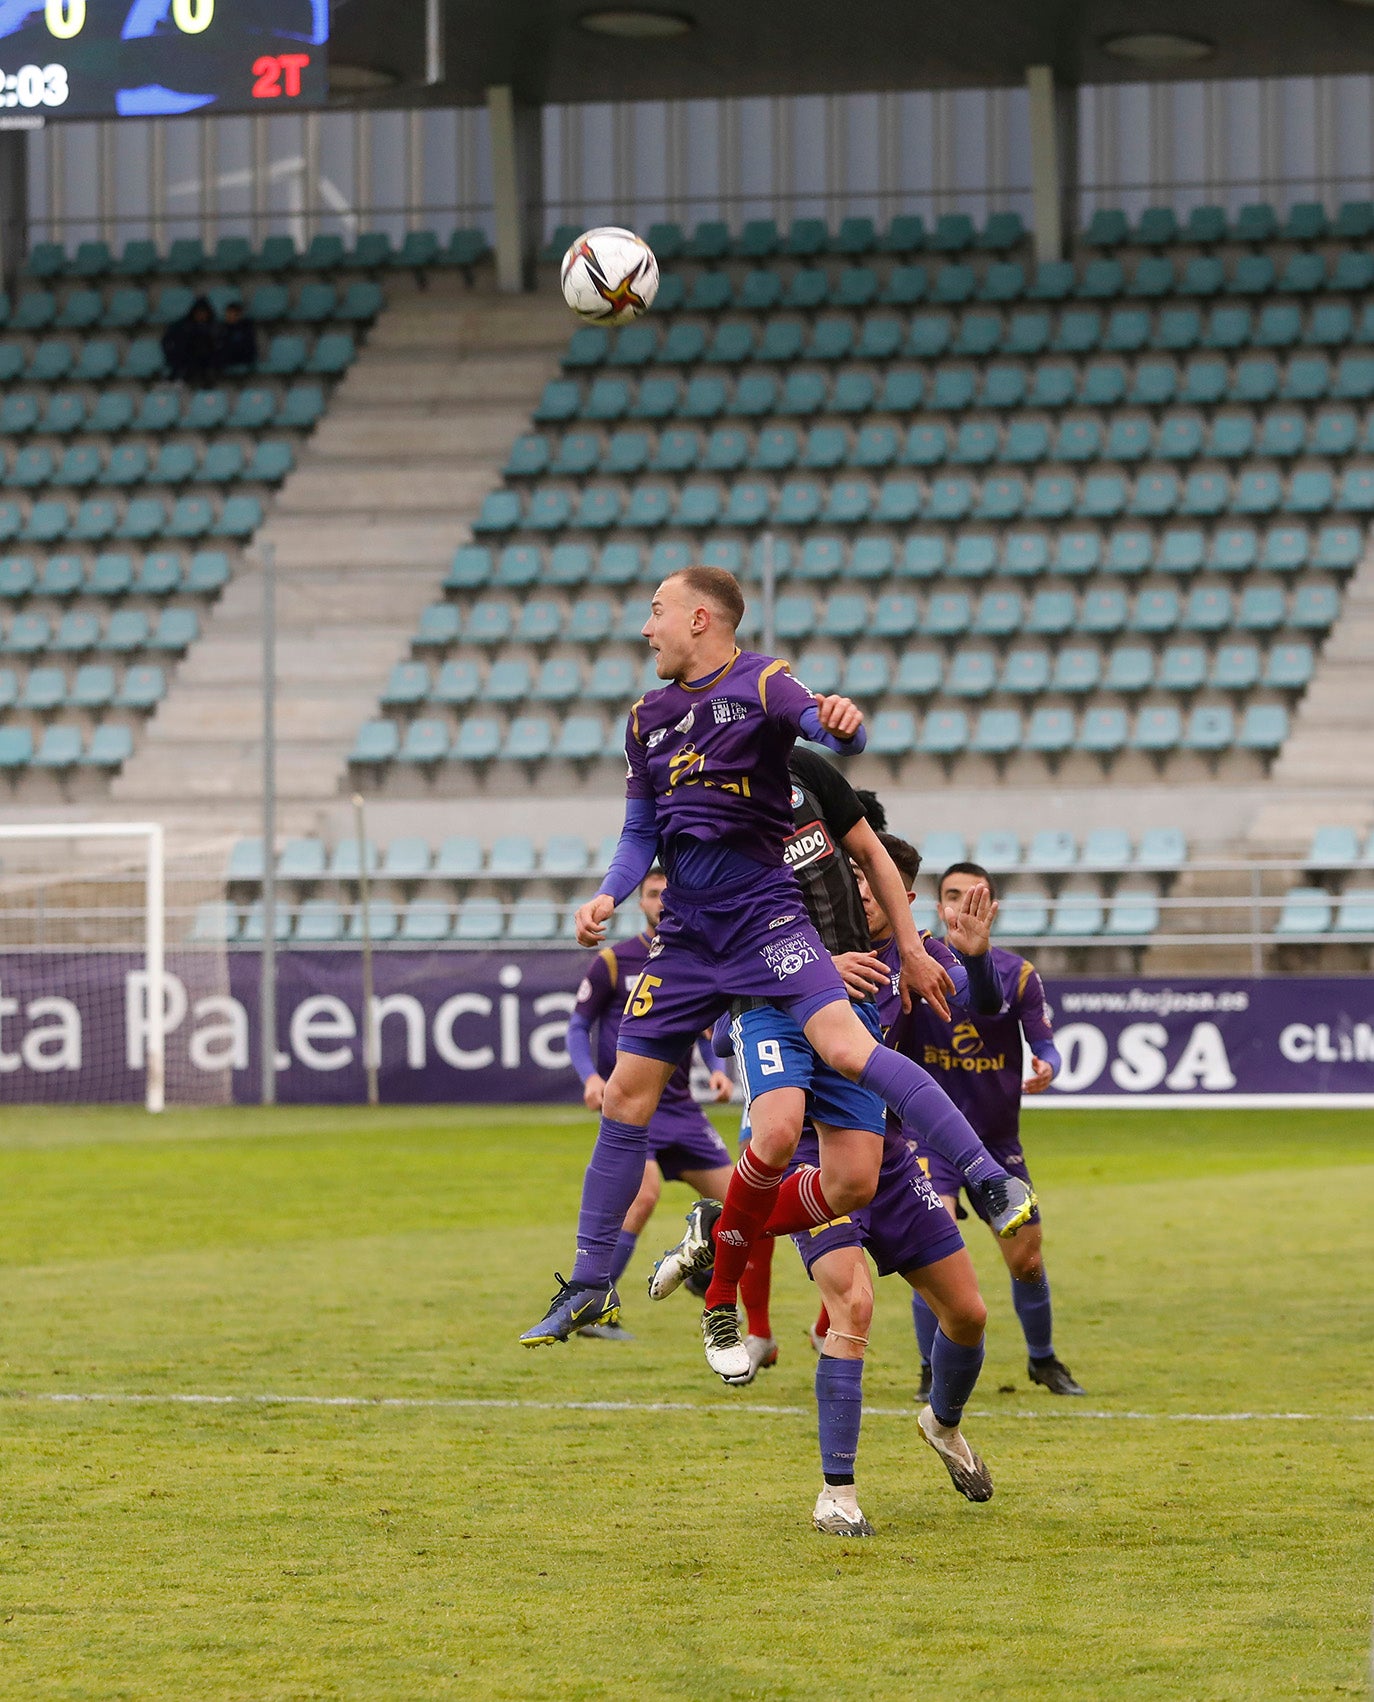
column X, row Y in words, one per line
column 1325, row 771
column 363, row 531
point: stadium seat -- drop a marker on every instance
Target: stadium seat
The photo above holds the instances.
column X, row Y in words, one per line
column 479, row 919
column 1130, row 669
column 1051, row 731
column 1306, row 910
column 1263, row 728
column 60, row 747
column 1356, row 912
column 1077, row 914
column 944, row 733
column 1106, row 850
column 1157, row 729
column 478, row 739
column 425, row 921
column 1289, row 667
column 1102, row 732
column 1025, row 673
column 1051, row 849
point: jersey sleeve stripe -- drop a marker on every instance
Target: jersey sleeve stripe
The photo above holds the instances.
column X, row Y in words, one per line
column 1027, row 970
column 765, row 676
column 612, row 962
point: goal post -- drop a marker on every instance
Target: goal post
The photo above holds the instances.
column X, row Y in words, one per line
column 74, row 926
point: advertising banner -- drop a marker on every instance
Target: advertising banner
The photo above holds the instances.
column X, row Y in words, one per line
column 489, row 1028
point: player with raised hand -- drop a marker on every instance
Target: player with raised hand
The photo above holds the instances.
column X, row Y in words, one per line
column 682, row 1144
column 708, row 793
column 977, row 1058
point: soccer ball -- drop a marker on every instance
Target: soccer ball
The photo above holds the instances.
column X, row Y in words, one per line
column 609, row 276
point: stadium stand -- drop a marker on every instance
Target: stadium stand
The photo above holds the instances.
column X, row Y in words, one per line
column 1060, row 525
column 125, row 499
column 1094, row 518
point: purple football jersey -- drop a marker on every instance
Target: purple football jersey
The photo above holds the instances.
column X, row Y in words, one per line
column 978, row 1059
column 714, row 758
column 890, row 998
column 610, row 980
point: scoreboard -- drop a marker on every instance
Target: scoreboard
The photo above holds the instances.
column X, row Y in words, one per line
column 156, row 58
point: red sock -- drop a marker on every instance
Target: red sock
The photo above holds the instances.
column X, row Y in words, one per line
column 755, row 1286
column 800, row 1204
column 823, row 1323
column 748, row 1201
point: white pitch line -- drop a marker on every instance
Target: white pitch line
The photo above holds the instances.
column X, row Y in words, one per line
column 416, row 1403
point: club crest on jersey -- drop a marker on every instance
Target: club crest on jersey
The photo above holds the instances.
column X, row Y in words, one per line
column 685, row 725
column 655, row 946
column 655, row 738
column 726, row 709
column 789, row 956
column 798, row 797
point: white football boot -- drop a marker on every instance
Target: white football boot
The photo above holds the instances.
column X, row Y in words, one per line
column 837, row 1512
column 970, row 1476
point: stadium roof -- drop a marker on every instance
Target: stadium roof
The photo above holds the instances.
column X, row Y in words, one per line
column 755, row 47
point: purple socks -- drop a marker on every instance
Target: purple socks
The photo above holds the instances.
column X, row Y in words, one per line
column 953, row 1372
column 839, row 1407
column 926, row 1326
column 608, row 1190
column 922, row 1104
column 1032, row 1303
column 624, row 1252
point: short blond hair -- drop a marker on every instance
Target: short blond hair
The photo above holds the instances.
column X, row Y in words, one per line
column 716, row 586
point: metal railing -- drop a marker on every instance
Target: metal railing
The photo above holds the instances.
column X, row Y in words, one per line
column 1246, row 916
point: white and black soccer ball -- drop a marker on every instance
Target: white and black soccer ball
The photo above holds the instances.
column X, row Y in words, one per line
column 609, row 276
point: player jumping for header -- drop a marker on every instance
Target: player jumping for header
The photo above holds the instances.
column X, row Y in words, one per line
column 708, row 791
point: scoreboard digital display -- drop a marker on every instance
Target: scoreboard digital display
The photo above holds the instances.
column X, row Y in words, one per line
column 157, row 58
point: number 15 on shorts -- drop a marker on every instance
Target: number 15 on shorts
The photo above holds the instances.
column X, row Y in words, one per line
column 640, row 1000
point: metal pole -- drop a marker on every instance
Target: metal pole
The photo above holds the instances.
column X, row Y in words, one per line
column 369, row 1046
column 267, row 996
column 1256, row 944
column 770, row 586
column 434, row 42
column 155, row 902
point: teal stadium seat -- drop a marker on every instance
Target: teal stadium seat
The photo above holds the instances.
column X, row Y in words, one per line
column 1157, row 730
column 1102, row 732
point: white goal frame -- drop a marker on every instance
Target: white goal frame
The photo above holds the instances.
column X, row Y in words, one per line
column 154, row 925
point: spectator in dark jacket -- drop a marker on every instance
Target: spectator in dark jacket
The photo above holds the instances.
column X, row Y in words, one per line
column 237, row 340
column 188, row 346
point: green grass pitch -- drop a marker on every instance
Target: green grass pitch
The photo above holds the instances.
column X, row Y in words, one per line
column 482, row 1538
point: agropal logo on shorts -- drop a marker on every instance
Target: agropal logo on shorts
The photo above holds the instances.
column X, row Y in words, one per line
column 787, row 956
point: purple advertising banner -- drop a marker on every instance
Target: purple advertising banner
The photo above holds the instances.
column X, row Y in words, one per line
column 489, row 1027
column 1281, row 1037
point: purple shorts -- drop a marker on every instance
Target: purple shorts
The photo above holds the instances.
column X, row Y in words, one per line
column 945, row 1179
column 903, row 1227
column 681, row 1139
column 749, row 940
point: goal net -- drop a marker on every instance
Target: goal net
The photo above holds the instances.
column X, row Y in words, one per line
column 103, row 969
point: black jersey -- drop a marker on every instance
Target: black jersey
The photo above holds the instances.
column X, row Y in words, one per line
column 825, row 808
